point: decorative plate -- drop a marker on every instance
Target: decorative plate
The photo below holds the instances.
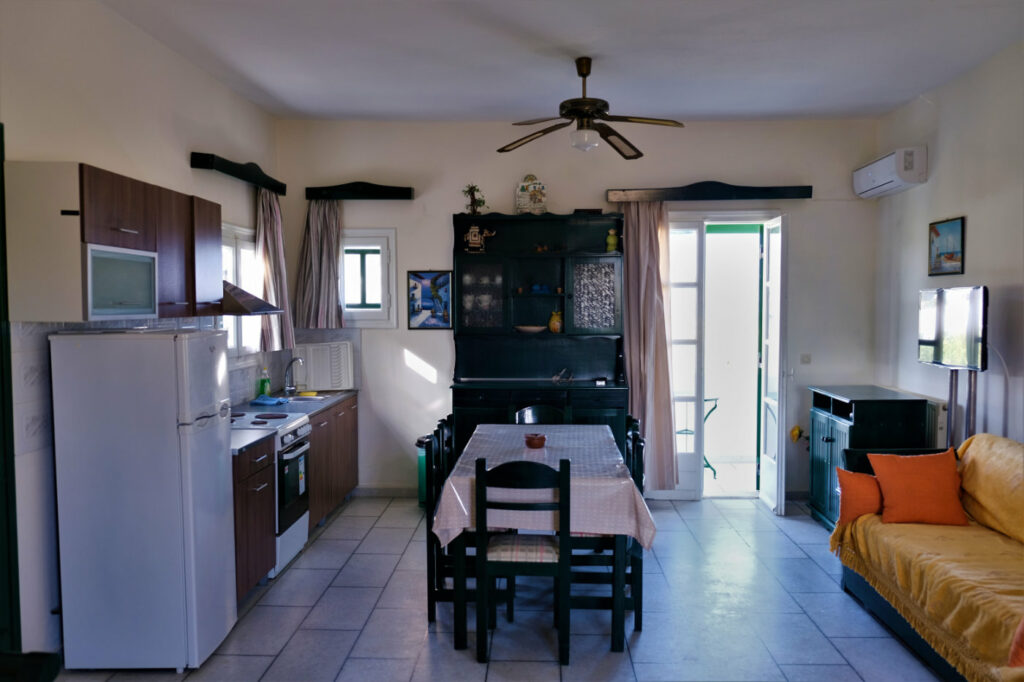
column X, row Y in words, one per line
column 531, row 195
column 530, row 328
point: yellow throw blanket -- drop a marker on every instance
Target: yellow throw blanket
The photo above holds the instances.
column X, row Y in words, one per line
column 960, row 587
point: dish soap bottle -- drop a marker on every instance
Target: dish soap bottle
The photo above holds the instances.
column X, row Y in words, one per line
column 263, row 386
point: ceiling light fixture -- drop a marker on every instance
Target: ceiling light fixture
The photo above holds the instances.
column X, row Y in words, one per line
column 584, row 137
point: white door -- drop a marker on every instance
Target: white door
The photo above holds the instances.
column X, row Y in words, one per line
column 773, row 452
column 202, row 374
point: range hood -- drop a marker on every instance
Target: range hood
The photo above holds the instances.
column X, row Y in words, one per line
column 238, row 301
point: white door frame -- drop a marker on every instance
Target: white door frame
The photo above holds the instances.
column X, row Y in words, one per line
column 684, row 212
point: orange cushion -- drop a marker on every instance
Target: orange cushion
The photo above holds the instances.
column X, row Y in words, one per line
column 858, row 495
column 1017, row 647
column 919, row 488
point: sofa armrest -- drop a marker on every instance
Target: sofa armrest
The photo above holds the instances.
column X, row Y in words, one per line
column 856, row 459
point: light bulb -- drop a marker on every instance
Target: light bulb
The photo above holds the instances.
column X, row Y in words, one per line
column 585, row 139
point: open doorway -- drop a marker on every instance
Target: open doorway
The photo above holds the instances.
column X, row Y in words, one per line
column 726, row 334
column 732, row 323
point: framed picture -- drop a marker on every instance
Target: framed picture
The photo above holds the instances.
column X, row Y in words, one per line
column 430, row 299
column 946, row 247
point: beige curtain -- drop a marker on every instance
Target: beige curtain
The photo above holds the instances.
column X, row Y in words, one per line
column 645, row 246
column 277, row 332
column 316, row 291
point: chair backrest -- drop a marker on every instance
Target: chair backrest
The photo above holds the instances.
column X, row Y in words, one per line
column 435, row 476
column 637, row 467
column 540, row 414
column 524, row 475
column 445, row 432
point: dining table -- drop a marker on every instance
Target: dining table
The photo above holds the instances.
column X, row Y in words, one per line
column 604, row 500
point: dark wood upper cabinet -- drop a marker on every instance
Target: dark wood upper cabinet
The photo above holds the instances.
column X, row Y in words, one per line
column 206, row 248
column 114, row 210
column 171, row 214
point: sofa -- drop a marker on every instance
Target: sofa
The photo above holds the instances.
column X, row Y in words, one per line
column 954, row 593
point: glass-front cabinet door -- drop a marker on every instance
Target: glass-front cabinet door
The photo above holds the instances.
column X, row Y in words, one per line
column 480, row 298
column 594, row 295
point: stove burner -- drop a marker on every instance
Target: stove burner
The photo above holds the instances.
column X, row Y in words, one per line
column 272, row 415
column 236, row 415
column 259, row 422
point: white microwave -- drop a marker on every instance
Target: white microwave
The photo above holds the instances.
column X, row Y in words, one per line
column 119, row 283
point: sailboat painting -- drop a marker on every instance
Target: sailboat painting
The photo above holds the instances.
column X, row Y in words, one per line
column 946, row 247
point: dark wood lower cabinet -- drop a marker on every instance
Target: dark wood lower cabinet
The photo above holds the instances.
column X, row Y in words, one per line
column 255, row 510
column 333, row 458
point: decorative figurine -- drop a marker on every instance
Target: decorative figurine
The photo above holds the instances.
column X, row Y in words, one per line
column 531, row 195
column 555, row 322
column 475, row 238
column 612, row 241
column 476, row 199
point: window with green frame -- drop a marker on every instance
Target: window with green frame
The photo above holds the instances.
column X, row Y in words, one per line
column 367, row 277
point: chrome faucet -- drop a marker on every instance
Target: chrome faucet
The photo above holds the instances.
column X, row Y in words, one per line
column 289, row 376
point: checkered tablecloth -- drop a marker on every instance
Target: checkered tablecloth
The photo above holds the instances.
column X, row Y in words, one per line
column 604, row 499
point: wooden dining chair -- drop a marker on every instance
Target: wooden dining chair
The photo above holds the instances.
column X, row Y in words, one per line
column 509, row 555
column 540, row 414
column 440, row 561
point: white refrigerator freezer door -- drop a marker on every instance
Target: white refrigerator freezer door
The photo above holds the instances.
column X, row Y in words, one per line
column 202, row 375
column 209, row 534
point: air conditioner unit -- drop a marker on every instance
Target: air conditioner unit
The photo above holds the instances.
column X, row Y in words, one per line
column 325, row 366
column 895, row 172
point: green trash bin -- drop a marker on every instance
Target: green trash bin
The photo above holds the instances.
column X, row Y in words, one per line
column 421, row 452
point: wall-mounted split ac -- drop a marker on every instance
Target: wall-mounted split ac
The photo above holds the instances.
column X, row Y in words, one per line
column 894, row 172
column 325, row 366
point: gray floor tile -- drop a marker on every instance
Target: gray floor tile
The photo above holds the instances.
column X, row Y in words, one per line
column 349, row 527
column 368, row 570
column 696, row 509
column 377, row 669
column 264, row 630
column 592, row 660
column 405, row 590
column 385, row 541
column 406, row 514
column 83, row 675
column 148, row 676
column 517, row 671
column 667, row 519
column 298, row 587
column 326, row 553
column 773, row 543
column 232, row 669
column 343, row 608
column 392, row 633
column 820, row 673
column 801, row 575
column 839, row 615
column 803, row 530
column 366, row 506
column 415, row 556
column 883, row 659
column 312, row 656
column 438, row 660
column 794, row 638
column 820, row 554
column 532, row 637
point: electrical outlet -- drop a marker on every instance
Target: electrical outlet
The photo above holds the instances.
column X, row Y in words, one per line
column 805, row 358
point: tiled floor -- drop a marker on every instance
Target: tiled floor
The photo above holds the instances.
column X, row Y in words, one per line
column 733, row 479
column 731, row 593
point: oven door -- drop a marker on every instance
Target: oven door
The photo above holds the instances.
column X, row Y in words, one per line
column 292, row 493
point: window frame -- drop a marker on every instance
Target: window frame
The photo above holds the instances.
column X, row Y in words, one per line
column 232, row 236
column 384, row 238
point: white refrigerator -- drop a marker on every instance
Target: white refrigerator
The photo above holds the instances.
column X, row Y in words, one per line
column 144, row 497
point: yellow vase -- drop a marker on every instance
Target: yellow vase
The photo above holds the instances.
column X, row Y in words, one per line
column 555, row 322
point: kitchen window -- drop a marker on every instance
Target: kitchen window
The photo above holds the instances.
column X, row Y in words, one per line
column 366, row 287
column 242, row 267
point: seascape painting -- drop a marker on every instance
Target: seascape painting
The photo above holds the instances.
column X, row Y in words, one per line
column 430, row 299
column 946, row 247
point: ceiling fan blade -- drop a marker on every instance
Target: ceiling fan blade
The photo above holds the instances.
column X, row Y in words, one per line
column 533, row 136
column 640, row 119
column 535, row 121
column 620, row 144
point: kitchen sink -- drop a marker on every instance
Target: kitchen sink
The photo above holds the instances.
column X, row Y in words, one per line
column 305, row 398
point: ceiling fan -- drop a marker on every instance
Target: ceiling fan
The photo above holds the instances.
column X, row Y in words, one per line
column 589, row 113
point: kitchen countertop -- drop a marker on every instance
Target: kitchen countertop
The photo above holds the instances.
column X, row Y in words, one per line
column 243, row 438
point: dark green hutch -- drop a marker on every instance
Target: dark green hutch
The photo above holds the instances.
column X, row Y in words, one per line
column 504, row 294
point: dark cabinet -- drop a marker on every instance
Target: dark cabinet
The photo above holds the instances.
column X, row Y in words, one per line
column 206, row 275
column 333, row 464
column 535, row 265
column 114, row 210
column 189, row 253
column 856, row 417
column 255, row 510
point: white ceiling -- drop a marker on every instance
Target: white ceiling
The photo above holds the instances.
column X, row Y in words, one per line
column 504, row 61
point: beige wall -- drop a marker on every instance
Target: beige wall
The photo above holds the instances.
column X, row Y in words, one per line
column 974, row 129
column 831, row 237
column 79, row 83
